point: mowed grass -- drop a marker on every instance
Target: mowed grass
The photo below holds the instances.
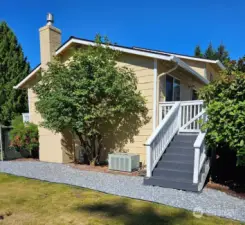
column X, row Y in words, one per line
column 27, row 201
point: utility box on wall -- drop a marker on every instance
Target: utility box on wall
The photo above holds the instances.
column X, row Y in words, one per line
column 124, row 162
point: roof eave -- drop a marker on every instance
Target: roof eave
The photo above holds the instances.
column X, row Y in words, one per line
column 24, row 81
column 118, row 48
column 189, row 69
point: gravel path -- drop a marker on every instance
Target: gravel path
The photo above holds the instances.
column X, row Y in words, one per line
column 211, row 202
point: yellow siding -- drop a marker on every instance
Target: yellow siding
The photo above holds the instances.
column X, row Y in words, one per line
column 50, row 143
column 143, row 68
column 211, row 70
column 199, row 67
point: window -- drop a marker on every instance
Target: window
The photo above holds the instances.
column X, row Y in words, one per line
column 211, row 77
column 194, row 95
column 172, row 89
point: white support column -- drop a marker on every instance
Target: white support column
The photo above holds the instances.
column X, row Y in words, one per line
column 155, row 96
column 149, row 161
column 29, row 102
column 196, row 165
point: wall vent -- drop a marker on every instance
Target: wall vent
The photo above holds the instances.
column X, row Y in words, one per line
column 123, row 162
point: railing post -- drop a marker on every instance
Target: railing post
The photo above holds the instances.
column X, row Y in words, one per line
column 196, row 165
column 149, row 161
column 179, row 117
column 160, row 107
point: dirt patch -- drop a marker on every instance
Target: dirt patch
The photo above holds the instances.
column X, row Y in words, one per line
column 104, row 169
column 238, row 192
column 3, row 215
column 25, row 159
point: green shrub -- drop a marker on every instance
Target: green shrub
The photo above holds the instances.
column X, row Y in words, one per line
column 24, row 137
column 225, row 100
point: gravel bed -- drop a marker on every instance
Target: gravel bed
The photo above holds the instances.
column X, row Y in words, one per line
column 209, row 201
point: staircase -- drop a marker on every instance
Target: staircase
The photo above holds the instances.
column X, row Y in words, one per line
column 175, row 168
column 176, row 153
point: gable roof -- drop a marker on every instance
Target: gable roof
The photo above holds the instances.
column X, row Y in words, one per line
column 156, row 54
column 137, row 50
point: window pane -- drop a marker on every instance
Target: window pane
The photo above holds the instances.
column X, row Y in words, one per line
column 176, row 90
column 169, row 88
column 194, row 95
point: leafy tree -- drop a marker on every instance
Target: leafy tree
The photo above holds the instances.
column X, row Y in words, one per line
column 235, row 65
column 241, row 64
column 94, row 98
column 225, row 99
column 13, row 68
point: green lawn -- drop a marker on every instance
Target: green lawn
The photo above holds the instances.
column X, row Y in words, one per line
column 27, row 201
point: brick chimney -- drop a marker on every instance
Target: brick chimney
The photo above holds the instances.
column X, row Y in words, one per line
column 50, row 40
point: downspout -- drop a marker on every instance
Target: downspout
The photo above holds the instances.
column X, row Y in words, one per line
column 169, row 71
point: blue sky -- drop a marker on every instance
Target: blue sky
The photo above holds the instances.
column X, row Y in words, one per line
column 175, row 26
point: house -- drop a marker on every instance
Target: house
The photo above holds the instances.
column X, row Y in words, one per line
column 169, row 82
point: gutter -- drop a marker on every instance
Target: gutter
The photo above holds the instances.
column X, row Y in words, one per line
column 169, row 71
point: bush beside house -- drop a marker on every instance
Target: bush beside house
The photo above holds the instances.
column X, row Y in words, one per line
column 225, row 99
column 24, row 138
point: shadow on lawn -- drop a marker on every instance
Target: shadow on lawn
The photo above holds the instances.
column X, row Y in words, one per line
column 127, row 214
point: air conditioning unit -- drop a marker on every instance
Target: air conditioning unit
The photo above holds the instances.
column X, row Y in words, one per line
column 124, row 162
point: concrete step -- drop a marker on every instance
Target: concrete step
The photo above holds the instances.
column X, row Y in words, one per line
column 170, row 173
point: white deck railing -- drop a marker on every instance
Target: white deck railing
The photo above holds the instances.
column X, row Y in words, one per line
column 192, row 112
column 199, row 156
column 164, row 108
column 176, row 117
column 161, row 137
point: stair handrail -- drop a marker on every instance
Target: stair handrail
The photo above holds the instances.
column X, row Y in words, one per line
column 199, row 156
column 161, row 137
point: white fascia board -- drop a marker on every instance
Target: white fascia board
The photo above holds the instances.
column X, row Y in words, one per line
column 221, row 66
column 189, row 69
column 27, row 78
column 190, row 58
column 121, row 49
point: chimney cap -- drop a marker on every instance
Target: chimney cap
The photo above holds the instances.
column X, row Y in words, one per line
column 50, row 19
